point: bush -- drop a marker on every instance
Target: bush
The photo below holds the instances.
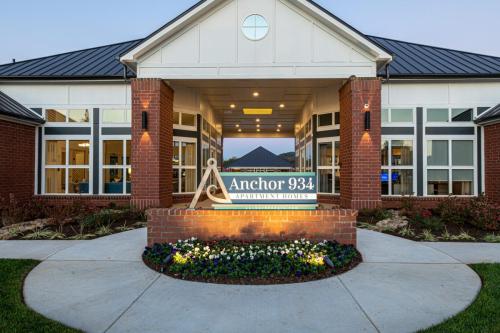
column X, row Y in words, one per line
column 409, row 207
column 373, row 215
column 427, row 221
column 484, row 214
column 453, row 210
column 230, row 259
column 14, row 211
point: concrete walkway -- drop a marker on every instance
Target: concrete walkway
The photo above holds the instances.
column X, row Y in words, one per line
column 103, row 286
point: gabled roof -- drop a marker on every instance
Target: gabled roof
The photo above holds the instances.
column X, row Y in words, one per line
column 95, row 63
column 489, row 116
column 417, row 60
column 260, row 158
column 204, row 6
column 13, row 109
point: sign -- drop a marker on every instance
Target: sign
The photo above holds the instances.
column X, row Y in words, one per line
column 287, row 190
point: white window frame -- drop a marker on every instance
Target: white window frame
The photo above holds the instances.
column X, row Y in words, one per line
column 186, row 127
column 331, row 127
column 66, row 109
column 449, row 123
column 181, row 167
column 334, row 168
column 390, row 167
column 450, row 167
column 67, row 138
column 390, row 123
column 124, row 166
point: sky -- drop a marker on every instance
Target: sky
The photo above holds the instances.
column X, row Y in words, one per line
column 34, row 28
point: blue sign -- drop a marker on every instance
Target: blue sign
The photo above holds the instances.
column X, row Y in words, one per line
column 271, row 188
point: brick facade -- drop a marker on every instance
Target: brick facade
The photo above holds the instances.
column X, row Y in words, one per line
column 359, row 149
column 492, row 161
column 170, row 225
column 17, row 160
column 152, row 149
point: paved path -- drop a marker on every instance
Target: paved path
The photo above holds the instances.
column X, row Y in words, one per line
column 103, row 286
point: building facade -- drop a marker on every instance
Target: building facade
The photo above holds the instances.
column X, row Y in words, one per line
column 136, row 122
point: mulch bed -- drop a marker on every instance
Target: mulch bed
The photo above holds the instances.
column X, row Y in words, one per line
column 262, row 281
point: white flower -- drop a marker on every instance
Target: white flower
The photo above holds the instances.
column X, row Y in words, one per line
column 238, row 257
column 296, row 242
column 228, row 258
column 300, row 252
column 211, row 257
column 197, row 249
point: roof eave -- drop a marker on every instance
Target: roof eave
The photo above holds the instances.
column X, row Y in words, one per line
column 21, row 119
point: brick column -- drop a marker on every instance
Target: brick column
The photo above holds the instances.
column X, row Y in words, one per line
column 492, row 162
column 152, row 148
column 360, row 161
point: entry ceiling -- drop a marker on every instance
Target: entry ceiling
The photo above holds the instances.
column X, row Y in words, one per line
column 293, row 94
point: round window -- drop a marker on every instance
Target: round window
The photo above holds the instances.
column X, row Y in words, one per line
column 255, row 27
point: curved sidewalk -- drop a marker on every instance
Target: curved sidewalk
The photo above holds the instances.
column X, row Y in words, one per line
column 103, row 286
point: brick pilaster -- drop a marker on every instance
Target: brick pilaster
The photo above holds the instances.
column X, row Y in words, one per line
column 359, row 149
column 492, row 162
column 152, row 148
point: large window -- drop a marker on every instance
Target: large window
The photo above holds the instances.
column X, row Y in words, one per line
column 328, row 166
column 116, row 166
column 116, row 116
column 67, row 116
column 450, row 167
column 327, row 121
column 446, row 115
column 184, row 163
column 67, row 167
column 309, row 157
column 397, row 167
column 184, row 120
column 400, row 115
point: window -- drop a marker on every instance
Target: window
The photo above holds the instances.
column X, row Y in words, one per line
column 450, row 167
column 67, row 166
column 397, row 115
column 116, row 116
column 67, row 116
column 325, row 120
column 184, row 161
column 447, row 115
column 309, row 157
column 397, row 167
column 185, row 120
column 116, row 167
column 328, row 166
column 255, row 27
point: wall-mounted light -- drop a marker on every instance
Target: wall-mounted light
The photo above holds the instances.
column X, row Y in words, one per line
column 368, row 121
column 144, row 120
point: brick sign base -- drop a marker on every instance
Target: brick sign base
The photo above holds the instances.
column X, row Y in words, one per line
column 170, row 225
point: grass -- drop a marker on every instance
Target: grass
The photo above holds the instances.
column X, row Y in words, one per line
column 15, row 316
column 483, row 316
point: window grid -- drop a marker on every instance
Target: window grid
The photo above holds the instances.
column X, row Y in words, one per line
column 125, row 167
column 334, row 168
column 180, row 167
column 389, row 167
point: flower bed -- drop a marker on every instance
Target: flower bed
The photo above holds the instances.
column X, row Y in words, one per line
column 234, row 262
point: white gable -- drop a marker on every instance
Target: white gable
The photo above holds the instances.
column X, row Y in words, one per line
column 302, row 42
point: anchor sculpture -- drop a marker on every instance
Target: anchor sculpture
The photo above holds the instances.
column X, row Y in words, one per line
column 211, row 189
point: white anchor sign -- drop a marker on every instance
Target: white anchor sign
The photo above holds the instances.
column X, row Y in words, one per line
column 258, row 190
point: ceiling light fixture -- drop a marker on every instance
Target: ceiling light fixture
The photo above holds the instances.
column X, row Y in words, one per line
column 232, row 106
column 258, row 126
column 256, row 94
column 239, row 130
column 258, row 129
column 278, row 130
column 237, row 125
column 279, row 125
column 282, row 106
column 257, row 120
column 248, row 111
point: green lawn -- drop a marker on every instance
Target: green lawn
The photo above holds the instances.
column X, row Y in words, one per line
column 483, row 316
column 14, row 315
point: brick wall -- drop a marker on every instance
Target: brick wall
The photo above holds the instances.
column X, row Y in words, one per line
column 152, row 149
column 170, row 225
column 17, row 160
column 359, row 149
column 492, row 161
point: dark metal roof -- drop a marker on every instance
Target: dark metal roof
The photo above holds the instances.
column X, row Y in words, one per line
column 10, row 108
column 420, row 61
column 96, row 63
column 260, row 158
column 491, row 115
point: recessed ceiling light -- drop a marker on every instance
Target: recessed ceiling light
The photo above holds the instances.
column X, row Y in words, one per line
column 279, row 125
column 282, row 106
column 256, row 94
column 232, row 106
column 237, row 125
column 239, row 130
column 257, row 120
column 258, row 129
column 278, row 130
column 258, row 126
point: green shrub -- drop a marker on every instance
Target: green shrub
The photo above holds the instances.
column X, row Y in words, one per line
column 429, row 222
column 453, row 210
column 492, row 238
column 409, row 207
column 484, row 214
column 374, row 214
column 100, row 218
